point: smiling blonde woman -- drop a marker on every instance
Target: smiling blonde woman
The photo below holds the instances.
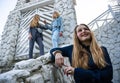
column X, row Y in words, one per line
column 90, row 63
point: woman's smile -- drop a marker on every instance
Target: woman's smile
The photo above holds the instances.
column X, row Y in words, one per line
column 84, row 35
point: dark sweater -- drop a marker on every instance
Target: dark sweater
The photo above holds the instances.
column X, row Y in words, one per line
column 93, row 74
column 34, row 32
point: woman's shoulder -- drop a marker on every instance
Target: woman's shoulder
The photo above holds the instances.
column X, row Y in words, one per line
column 103, row 48
column 59, row 18
column 31, row 28
column 68, row 46
column 40, row 26
column 105, row 51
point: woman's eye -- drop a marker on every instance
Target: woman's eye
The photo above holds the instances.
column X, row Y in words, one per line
column 86, row 29
column 79, row 30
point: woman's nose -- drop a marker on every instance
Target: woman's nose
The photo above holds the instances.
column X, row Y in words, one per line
column 83, row 30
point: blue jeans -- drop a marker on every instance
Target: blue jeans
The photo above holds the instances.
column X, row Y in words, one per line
column 55, row 38
column 31, row 45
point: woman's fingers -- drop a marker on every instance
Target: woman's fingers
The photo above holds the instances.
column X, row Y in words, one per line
column 59, row 60
column 60, row 34
column 62, row 61
column 69, row 70
column 30, row 36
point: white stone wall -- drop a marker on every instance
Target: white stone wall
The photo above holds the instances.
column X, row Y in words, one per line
column 109, row 36
column 9, row 38
column 0, row 44
column 36, row 71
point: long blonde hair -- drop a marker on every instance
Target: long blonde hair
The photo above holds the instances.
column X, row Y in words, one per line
column 35, row 21
column 80, row 56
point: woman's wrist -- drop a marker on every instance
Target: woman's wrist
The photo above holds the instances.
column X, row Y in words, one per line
column 29, row 33
column 57, row 51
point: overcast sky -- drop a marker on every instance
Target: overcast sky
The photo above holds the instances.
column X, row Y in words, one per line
column 86, row 10
column 5, row 7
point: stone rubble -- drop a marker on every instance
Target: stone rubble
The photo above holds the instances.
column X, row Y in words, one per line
column 39, row 70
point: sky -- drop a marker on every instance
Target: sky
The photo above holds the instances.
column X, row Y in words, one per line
column 5, row 7
column 86, row 10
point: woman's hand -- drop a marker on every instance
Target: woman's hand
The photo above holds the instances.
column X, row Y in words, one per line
column 30, row 36
column 44, row 22
column 59, row 59
column 60, row 34
column 69, row 70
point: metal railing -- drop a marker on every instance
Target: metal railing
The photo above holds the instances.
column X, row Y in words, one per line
column 106, row 17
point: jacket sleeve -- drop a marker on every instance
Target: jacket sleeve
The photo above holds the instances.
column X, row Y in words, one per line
column 48, row 27
column 45, row 27
column 98, row 74
column 30, row 30
column 61, row 24
column 65, row 51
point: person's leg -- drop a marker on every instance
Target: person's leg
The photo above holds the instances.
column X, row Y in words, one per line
column 41, row 46
column 55, row 38
column 31, row 45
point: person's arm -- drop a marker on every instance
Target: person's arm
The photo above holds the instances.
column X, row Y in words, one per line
column 43, row 27
column 61, row 23
column 98, row 74
column 48, row 26
column 65, row 51
column 29, row 30
column 29, row 33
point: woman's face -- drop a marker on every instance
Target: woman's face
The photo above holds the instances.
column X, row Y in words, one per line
column 83, row 33
column 54, row 15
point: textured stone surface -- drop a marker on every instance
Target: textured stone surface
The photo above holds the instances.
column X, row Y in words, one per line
column 32, row 64
column 109, row 37
column 9, row 38
column 13, row 75
column 37, row 78
column 36, row 71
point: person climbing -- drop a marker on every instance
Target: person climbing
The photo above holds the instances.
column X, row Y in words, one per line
column 56, row 28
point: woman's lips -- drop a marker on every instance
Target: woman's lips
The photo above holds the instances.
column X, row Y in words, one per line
column 84, row 35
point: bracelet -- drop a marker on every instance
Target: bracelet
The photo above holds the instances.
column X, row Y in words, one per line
column 57, row 51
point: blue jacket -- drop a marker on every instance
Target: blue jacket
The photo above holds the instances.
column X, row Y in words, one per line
column 57, row 24
column 34, row 32
column 92, row 75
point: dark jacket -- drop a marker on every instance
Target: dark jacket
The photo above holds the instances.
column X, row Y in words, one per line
column 93, row 74
column 35, row 33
